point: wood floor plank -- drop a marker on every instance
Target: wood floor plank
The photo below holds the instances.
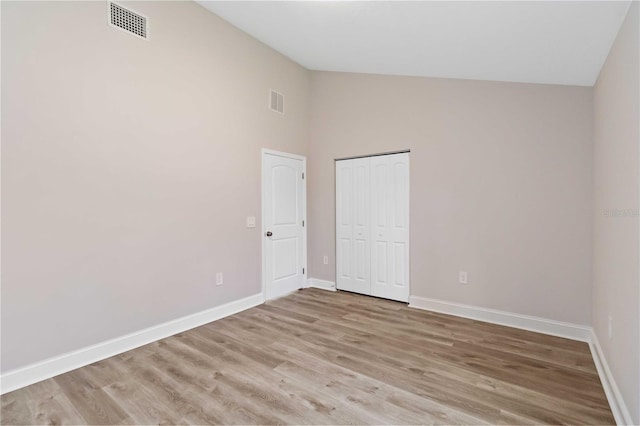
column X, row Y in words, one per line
column 271, row 391
column 140, row 404
column 207, row 380
column 183, row 398
column 319, row 357
column 369, row 364
column 48, row 404
column 15, row 409
column 93, row 404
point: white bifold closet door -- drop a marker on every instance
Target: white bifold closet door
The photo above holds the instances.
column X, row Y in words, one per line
column 353, row 217
column 372, row 226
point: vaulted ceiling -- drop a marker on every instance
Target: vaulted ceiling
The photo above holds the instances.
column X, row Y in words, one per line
column 554, row 42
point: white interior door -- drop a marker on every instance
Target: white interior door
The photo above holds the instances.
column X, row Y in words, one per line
column 283, row 216
column 353, row 216
column 390, row 226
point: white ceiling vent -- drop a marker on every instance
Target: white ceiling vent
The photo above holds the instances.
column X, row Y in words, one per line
column 276, row 102
column 128, row 20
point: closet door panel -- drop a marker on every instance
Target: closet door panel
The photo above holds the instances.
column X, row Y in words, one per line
column 393, row 232
column 379, row 220
column 353, row 226
column 361, row 226
column 344, row 223
column 400, row 222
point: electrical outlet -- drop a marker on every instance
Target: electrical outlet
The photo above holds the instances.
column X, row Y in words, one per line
column 610, row 328
column 462, row 277
column 219, row 278
column 325, row 260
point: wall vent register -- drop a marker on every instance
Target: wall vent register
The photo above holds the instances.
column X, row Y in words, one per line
column 128, row 20
column 276, row 102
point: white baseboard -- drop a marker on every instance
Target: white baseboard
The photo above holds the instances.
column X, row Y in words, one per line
column 322, row 284
column 616, row 402
column 539, row 325
column 15, row 379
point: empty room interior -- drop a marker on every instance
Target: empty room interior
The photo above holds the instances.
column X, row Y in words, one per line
column 320, row 212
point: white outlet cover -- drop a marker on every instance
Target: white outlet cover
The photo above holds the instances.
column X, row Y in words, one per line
column 251, row 221
column 325, row 260
column 219, row 278
column 463, row 278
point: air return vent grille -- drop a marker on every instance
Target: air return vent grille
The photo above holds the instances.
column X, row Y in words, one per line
column 127, row 20
column 276, row 102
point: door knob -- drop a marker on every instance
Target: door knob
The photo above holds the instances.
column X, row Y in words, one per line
column 269, row 233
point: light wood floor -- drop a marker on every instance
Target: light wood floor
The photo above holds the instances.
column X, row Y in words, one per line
column 318, row 357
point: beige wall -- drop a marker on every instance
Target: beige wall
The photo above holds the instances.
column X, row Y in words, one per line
column 500, row 184
column 616, row 251
column 129, row 167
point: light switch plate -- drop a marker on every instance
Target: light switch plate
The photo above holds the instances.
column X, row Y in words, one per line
column 251, row 222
